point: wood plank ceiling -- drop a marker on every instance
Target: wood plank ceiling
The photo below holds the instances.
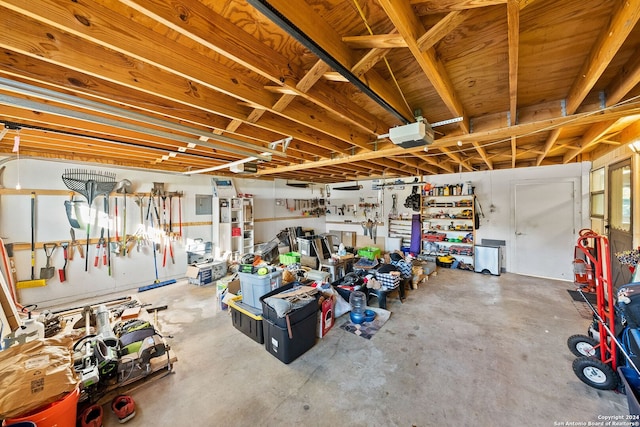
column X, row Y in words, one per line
column 309, row 89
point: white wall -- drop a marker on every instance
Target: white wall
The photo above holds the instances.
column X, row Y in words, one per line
column 493, row 191
column 137, row 269
column 270, row 218
column 128, row 272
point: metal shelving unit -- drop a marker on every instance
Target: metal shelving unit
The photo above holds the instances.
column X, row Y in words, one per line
column 448, row 224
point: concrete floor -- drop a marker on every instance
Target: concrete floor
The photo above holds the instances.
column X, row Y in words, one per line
column 464, row 349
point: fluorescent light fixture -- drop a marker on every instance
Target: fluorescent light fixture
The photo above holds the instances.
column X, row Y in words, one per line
column 173, row 154
column 635, row 146
column 182, row 149
column 191, row 145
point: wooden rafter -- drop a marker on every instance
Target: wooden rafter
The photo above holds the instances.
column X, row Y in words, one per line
column 624, row 18
column 513, row 21
column 315, row 27
column 409, row 26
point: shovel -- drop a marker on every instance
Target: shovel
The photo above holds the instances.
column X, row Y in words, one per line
column 49, row 270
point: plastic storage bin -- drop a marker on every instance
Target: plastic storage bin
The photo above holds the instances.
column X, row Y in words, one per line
column 290, row 258
column 369, row 252
column 253, row 286
column 278, row 343
column 295, row 316
column 247, row 319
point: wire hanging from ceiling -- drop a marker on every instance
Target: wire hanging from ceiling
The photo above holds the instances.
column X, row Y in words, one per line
column 393, row 77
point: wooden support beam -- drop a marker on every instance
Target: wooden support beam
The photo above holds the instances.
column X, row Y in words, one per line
column 611, row 38
column 410, row 27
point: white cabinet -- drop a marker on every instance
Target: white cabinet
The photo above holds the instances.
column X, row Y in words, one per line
column 233, row 224
column 448, row 224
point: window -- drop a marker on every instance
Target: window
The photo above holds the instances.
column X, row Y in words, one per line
column 597, row 192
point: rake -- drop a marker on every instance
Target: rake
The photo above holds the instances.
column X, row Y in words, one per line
column 90, row 184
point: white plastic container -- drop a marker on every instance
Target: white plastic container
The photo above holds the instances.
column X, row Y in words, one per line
column 29, row 326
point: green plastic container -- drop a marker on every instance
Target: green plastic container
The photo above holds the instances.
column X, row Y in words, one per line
column 289, row 258
column 369, row 252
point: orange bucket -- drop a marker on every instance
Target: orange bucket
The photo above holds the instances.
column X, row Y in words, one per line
column 61, row 413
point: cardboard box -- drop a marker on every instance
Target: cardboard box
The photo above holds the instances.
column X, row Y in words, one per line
column 199, row 274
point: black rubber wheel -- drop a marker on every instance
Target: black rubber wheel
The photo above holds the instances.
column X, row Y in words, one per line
column 593, row 372
column 583, row 345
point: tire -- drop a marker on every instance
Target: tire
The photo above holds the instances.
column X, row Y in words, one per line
column 583, row 345
column 595, row 373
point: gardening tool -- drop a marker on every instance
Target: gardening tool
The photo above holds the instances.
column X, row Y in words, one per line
column 101, row 247
column 179, row 194
column 108, row 243
column 48, row 271
column 157, row 282
column 70, row 206
column 90, row 184
column 115, row 221
column 33, row 282
column 62, row 273
column 73, row 244
column 124, row 187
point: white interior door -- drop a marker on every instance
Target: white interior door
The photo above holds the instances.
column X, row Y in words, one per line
column 544, row 228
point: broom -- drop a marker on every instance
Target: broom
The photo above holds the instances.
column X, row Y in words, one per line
column 156, row 283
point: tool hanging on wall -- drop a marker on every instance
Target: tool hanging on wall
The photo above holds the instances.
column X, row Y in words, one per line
column 124, row 187
column 101, row 249
column 115, row 223
column 48, row 271
column 179, row 195
column 74, row 243
column 62, row 272
column 33, row 282
column 108, row 243
column 157, row 282
column 90, row 184
column 70, row 208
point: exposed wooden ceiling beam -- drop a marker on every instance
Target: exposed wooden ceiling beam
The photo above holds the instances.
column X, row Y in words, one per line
column 624, row 81
column 425, row 7
column 213, row 31
column 513, row 22
column 379, row 41
column 456, row 158
column 190, row 66
column 611, row 38
column 410, row 27
column 492, row 134
column 483, row 153
column 313, row 26
column 441, row 29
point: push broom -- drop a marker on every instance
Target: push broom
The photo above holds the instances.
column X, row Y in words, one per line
column 157, row 283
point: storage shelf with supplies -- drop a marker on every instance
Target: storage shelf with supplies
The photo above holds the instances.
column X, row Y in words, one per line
column 448, row 226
